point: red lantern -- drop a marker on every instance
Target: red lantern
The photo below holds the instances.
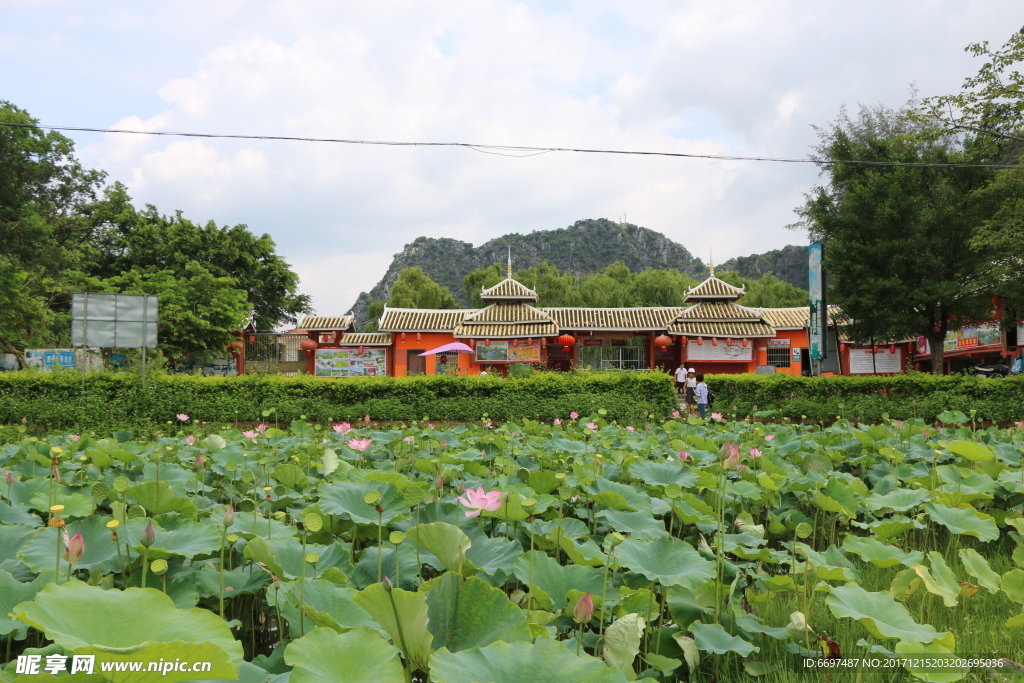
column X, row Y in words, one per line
column 252, row 338
column 403, row 337
column 565, row 341
column 360, row 350
column 746, row 343
column 728, row 341
column 529, row 342
column 842, row 348
column 892, row 348
column 418, row 336
column 663, row 341
column 472, row 343
column 544, row 342
column 714, row 341
column 308, row 345
column 515, row 344
column 700, row 341
column 487, row 342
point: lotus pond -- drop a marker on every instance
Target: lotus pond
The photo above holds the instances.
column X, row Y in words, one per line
column 582, row 552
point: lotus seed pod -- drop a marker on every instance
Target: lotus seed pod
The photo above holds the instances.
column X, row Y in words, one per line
column 528, row 502
column 248, row 476
column 372, row 497
column 113, row 524
column 231, row 466
column 413, row 495
column 313, row 522
column 803, row 530
column 56, row 509
column 523, row 473
column 246, row 505
column 280, row 490
column 121, row 484
column 280, row 515
column 672, row 491
column 313, row 558
column 135, row 511
column 396, row 537
column 158, row 567
column 232, row 538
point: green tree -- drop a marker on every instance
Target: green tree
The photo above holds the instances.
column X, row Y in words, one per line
column 374, row 311
column 767, row 292
column 127, row 239
column 553, row 288
column 899, row 240
column 479, row 280
column 415, row 289
column 655, row 287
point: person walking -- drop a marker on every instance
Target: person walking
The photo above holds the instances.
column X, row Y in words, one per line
column 691, row 387
column 701, row 396
column 680, row 374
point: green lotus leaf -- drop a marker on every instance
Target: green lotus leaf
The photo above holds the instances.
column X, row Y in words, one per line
column 466, row 613
column 159, row 497
column 939, row 580
column 288, row 554
column 634, row 500
column 622, row 643
column 258, row 550
column 348, row 499
column 977, row 566
column 879, row 613
column 147, row 627
column 236, row 582
column 899, row 500
column 13, row 592
column 489, row 555
column 403, row 615
column 17, row 515
column 880, row 554
column 520, row 663
column 970, row 450
column 557, row 580
column 966, row 521
column 248, row 526
column 326, row 603
column 542, row 481
column 639, row 524
column 663, row 474
column 187, row 540
column 289, row 475
column 75, row 504
column 359, row 656
column 714, row 638
column 1012, row 583
column 930, row 662
column 12, row 538
column 100, row 551
column 446, row 542
column 668, row 560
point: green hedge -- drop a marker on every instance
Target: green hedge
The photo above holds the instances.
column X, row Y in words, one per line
column 867, row 399
column 115, row 401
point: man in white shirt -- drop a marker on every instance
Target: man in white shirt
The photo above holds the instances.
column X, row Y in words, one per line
column 680, row 380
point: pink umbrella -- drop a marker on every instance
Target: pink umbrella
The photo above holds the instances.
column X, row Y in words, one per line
column 454, row 346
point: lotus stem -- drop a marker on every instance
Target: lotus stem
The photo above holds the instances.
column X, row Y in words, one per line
column 60, row 540
column 223, row 540
column 401, row 638
column 302, row 587
column 145, row 568
column 380, row 543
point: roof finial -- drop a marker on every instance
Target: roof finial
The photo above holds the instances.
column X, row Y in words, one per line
column 711, row 260
column 510, row 262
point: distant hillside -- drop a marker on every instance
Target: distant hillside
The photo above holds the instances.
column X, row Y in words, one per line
column 789, row 264
column 585, row 247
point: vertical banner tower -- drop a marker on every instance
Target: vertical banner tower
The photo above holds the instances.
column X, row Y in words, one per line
column 819, row 310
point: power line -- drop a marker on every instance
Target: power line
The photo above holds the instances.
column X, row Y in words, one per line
column 511, row 150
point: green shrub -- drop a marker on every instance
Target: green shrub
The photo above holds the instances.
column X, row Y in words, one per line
column 115, row 401
column 869, row 399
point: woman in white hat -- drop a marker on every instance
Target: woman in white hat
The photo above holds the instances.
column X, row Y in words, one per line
column 691, row 388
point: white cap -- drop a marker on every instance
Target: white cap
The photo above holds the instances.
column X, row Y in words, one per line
column 692, row 370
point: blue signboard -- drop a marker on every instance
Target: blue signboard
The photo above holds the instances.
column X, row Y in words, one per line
column 816, row 291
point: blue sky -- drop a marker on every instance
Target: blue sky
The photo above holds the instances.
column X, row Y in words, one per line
column 745, row 78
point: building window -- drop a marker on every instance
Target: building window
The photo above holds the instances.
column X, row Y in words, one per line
column 779, row 357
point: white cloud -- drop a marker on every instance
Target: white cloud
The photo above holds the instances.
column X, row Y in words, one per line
column 744, row 78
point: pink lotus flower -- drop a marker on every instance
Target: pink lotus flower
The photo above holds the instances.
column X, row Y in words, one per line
column 573, row 415
column 190, row 439
column 478, row 501
column 407, row 439
column 366, row 418
column 261, row 428
column 716, row 416
column 343, row 428
column 732, row 453
column 182, row 416
column 430, row 425
column 198, row 462
column 10, row 478
column 675, row 413
column 557, row 422
column 249, row 434
column 591, row 425
column 74, row 548
column 630, row 428
column 684, row 456
column 73, row 437
column 740, row 468
column 584, row 609
column 489, row 425
column 439, row 482
column 769, row 437
column 754, row 453
column 359, row 444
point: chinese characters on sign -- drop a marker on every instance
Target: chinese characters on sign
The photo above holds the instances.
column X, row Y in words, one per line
column 350, row 363
column 33, row 664
column 816, row 292
column 882, row 361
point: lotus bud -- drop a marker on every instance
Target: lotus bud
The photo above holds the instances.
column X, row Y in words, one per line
column 387, row 584
column 199, row 462
column 439, row 482
column 74, row 548
column 584, row 609
column 229, row 516
column 148, row 535
column 10, row 477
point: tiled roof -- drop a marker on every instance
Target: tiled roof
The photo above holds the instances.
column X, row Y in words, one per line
column 421, row 320
column 788, row 318
column 326, row 323
column 506, row 331
column 507, row 313
column 366, row 339
column 619, row 319
column 713, row 288
column 509, row 289
column 719, row 310
column 722, row 329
